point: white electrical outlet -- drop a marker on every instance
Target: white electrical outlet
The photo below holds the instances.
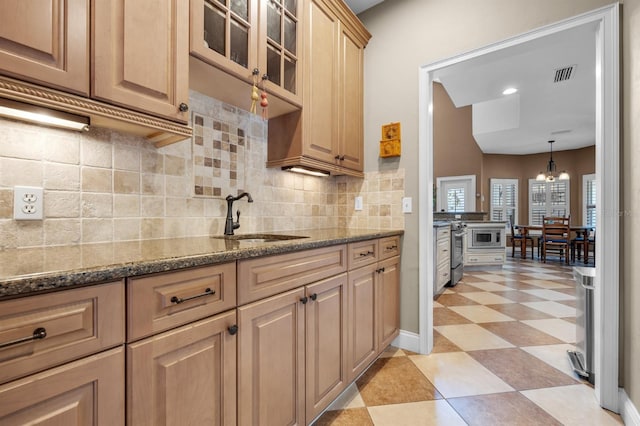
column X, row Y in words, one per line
column 27, row 203
column 406, row 205
column 358, row 204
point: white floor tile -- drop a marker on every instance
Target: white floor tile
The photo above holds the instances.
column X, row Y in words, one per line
column 490, row 286
column 550, row 294
column 554, row 355
column 480, row 313
column 572, row 405
column 425, row 413
column 555, row 327
column 472, row 337
column 485, row 298
column 555, row 309
column 456, row 374
column 546, row 283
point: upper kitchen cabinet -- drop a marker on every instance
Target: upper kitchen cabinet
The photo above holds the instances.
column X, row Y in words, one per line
column 237, row 37
column 327, row 134
column 140, row 55
column 46, row 42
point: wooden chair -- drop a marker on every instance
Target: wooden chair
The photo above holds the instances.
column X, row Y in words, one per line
column 581, row 244
column 520, row 241
column 556, row 237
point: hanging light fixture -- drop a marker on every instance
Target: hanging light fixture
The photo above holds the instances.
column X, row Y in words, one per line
column 550, row 175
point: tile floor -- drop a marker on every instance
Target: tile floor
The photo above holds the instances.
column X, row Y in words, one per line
column 499, row 358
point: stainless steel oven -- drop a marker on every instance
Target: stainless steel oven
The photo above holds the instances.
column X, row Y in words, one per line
column 486, row 237
column 458, row 233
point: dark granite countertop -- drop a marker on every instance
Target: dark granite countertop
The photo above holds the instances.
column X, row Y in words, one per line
column 32, row 270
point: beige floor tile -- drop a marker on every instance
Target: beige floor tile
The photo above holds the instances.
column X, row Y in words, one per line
column 572, row 405
column 427, row 413
column 472, row 337
column 349, row 398
column 480, row 313
column 555, row 309
column 554, row 355
column 392, row 351
column 498, row 277
column 558, row 328
column 549, row 294
column 437, row 304
column 350, row 417
column 545, row 283
column 457, row 374
column 485, row 298
column 490, row 286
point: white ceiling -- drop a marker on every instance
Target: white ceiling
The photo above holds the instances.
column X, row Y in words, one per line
column 564, row 112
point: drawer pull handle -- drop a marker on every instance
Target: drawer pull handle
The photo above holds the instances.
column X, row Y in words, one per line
column 233, row 329
column 380, row 270
column 392, row 247
column 367, row 253
column 314, row 296
column 177, row 300
column 38, row 334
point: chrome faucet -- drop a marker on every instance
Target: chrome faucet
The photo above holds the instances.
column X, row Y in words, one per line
column 230, row 225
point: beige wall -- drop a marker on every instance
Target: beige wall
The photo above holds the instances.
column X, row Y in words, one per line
column 630, row 276
column 455, row 151
column 410, row 33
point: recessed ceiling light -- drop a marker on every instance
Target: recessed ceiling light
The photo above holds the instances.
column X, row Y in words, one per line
column 509, row 91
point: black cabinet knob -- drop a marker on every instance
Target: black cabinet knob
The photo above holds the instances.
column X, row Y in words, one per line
column 183, row 107
column 314, row 296
column 233, row 329
column 304, row 300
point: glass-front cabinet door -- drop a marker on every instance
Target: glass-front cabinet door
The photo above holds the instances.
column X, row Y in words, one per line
column 239, row 36
column 280, row 46
column 224, row 34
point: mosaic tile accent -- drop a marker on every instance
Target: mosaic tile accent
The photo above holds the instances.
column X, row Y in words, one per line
column 219, row 150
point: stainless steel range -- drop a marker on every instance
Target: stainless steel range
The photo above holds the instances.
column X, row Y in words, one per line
column 458, row 233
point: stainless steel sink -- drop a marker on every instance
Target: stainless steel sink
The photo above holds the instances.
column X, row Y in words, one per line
column 259, row 238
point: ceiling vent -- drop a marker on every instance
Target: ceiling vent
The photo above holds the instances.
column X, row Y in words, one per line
column 564, row 74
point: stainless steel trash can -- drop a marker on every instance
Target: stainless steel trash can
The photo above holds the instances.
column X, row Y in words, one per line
column 582, row 357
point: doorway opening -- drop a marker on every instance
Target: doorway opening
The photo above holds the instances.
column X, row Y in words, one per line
column 605, row 25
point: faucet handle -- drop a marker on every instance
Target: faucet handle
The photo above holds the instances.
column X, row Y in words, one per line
column 237, row 224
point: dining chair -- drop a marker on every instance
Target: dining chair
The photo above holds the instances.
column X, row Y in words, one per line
column 556, row 237
column 580, row 244
column 521, row 241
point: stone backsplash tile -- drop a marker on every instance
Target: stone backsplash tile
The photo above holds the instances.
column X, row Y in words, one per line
column 105, row 186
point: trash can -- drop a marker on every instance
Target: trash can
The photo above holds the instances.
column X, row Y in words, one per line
column 582, row 357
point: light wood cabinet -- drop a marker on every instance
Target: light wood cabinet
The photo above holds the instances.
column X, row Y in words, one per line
column 240, row 37
column 185, row 376
column 327, row 134
column 271, row 361
column 362, row 343
column 49, row 330
column 326, row 336
column 140, row 59
column 388, row 301
column 46, row 42
column 84, row 392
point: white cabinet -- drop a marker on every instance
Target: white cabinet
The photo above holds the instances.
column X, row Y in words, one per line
column 442, row 258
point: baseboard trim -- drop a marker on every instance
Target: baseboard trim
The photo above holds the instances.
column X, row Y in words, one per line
column 628, row 411
column 407, row 340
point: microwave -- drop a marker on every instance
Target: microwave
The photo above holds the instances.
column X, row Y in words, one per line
column 486, row 238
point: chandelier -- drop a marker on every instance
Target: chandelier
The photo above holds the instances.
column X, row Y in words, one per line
column 550, row 175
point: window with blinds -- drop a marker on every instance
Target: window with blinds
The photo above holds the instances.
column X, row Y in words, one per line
column 455, row 199
column 547, row 199
column 504, row 200
column 589, row 200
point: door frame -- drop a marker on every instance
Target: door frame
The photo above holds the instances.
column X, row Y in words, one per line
column 607, row 135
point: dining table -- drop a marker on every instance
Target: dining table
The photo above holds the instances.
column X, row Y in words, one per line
column 579, row 230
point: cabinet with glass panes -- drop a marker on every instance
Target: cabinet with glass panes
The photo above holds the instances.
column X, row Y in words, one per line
column 240, row 36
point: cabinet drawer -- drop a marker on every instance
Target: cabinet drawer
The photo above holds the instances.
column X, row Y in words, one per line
column 363, row 253
column 443, row 275
column 484, row 258
column 76, row 322
column 84, row 392
column 265, row 276
column 389, row 247
column 443, row 250
column 442, row 232
column 159, row 302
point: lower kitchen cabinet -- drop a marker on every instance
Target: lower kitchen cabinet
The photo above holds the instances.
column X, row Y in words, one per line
column 271, row 360
column 362, row 336
column 83, row 392
column 185, row 376
column 388, row 301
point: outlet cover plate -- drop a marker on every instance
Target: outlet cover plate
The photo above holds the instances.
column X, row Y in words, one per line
column 406, row 205
column 358, row 204
column 27, row 203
